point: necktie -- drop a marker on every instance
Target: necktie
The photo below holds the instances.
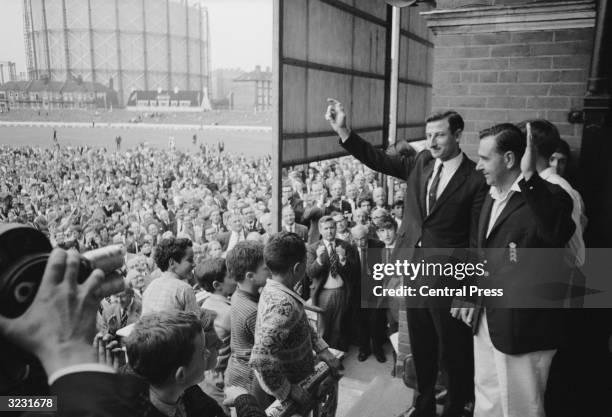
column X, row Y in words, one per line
column 333, row 260
column 433, row 190
column 364, row 262
column 124, row 318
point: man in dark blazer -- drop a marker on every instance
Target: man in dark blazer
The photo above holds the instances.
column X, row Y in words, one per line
column 372, row 319
column 289, row 198
column 335, row 202
column 330, row 264
column 290, row 225
column 514, row 347
column 443, row 197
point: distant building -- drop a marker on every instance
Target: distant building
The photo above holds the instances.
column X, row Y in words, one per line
column 252, row 91
column 45, row 94
column 3, row 101
column 168, row 100
column 222, row 82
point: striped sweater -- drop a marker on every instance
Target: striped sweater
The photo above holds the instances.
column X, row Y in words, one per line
column 244, row 315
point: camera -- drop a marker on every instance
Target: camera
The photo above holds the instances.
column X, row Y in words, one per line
column 24, row 252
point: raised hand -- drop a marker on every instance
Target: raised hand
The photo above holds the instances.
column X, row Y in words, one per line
column 528, row 162
column 231, row 393
column 336, row 116
column 320, row 251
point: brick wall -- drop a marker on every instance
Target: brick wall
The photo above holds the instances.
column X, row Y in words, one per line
column 511, row 76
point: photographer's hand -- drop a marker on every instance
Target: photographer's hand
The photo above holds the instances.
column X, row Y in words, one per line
column 109, row 350
column 59, row 325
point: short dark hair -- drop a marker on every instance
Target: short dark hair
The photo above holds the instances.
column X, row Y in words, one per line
column 361, row 200
column 545, row 136
column 563, row 148
column 387, row 222
column 170, row 248
column 326, row 219
column 244, row 257
column 455, row 121
column 284, row 250
column 210, row 270
column 161, row 342
column 508, row 138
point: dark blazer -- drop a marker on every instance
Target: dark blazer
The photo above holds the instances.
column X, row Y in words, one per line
column 537, row 217
column 300, row 230
column 297, row 205
column 318, row 274
column 99, row 394
column 340, row 206
column 311, row 218
column 453, row 219
column 364, row 283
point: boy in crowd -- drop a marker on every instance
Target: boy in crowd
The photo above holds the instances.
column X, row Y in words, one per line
column 171, row 351
column 386, row 232
column 246, row 266
column 212, row 277
column 282, row 353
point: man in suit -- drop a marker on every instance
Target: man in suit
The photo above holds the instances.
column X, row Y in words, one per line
column 126, row 311
column 351, row 197
column 289, row 198
column 335, row 202
column 330, row 264
column 289, row 224
column 314, row 210
column 236, row 233
column 251, row 224
column 513, row 348
column 216, row 221
column 372, row 320
column 443, row 197
column 380, row 199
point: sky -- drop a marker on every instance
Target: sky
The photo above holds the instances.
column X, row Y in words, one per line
column 240, row 32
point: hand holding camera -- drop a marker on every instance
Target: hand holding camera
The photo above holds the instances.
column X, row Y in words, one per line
column 54, row 317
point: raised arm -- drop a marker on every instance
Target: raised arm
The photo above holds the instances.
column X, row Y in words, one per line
column 374, row 158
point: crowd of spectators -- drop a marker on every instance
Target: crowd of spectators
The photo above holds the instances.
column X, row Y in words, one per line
column 180, row 214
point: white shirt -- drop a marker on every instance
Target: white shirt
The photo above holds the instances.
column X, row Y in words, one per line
column 235, row 237
column 448, row 170
column 576, row 243
column 500, row 200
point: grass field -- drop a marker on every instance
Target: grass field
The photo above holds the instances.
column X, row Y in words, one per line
column 215, row 117
column 238, row 142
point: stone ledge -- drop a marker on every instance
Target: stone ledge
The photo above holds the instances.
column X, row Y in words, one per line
column 513, row 18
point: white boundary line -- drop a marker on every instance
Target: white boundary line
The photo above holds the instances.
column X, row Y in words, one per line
column 157, row 126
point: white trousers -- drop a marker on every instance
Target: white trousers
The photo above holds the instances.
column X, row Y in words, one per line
column 508, row 385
